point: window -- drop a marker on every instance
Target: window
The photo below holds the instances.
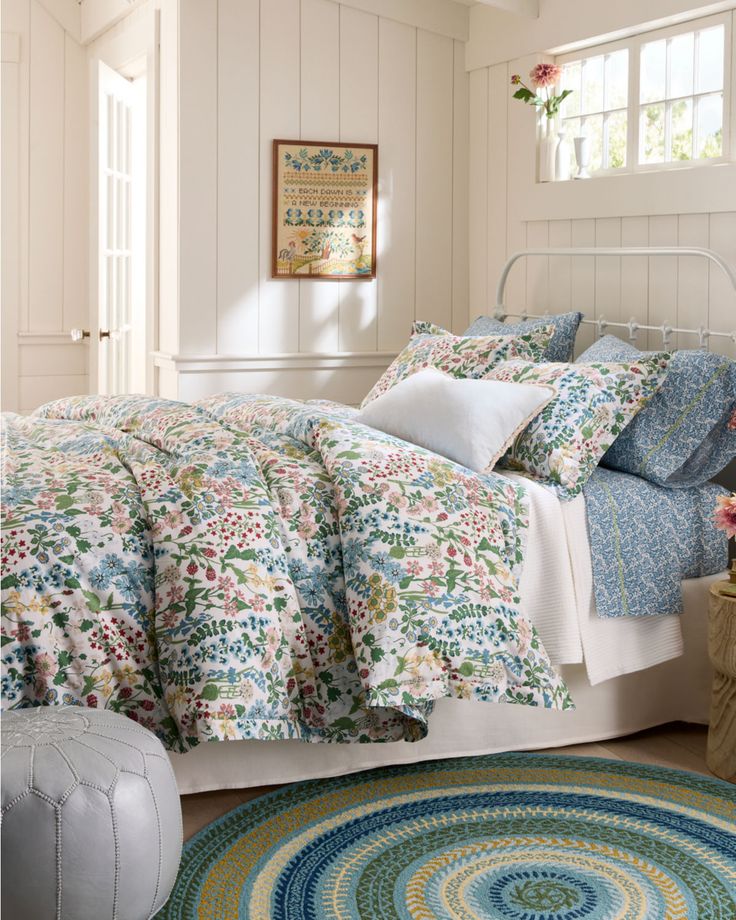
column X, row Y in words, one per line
column 655, row 99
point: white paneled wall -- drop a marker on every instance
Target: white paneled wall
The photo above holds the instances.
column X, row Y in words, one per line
column 45, row 202
column 251, row 71
column 509, row 211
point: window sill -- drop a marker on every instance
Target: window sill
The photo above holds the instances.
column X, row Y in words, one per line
column 689, row 189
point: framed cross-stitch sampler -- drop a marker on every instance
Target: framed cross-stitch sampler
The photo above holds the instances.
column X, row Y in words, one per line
column 324, row 210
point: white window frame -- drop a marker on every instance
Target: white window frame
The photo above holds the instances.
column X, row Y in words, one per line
column 634, row 44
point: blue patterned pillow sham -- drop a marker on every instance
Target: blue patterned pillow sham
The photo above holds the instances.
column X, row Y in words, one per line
column 561, row 345
column 593, row 404
column 685, row 436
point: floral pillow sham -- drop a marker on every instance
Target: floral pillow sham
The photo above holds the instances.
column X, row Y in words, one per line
column 594, row 403
column 562, row 343
column 687, row 434
column 460, row 356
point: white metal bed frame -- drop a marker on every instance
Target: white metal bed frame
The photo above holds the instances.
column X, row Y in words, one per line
column 633, row 327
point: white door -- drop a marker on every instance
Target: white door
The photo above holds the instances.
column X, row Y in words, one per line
column 121, row 233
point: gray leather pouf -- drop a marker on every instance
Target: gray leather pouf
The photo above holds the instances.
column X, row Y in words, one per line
column 91, row 819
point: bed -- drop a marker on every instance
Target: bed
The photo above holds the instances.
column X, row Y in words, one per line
column 622, row 676
column 377, row 592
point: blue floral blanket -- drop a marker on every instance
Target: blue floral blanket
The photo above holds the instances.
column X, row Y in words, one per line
column 254, row 567
column 644, row 539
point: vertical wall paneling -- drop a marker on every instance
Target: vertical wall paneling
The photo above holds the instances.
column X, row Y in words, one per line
column 237, row 176
column 478, row 214
column 497, row 168
column 460, row 191
column 357, row 328
column 722, row 299
column 692, row 277
column 9, row 200
column 320, row 120
column 16, row 17
column 635, row 275
column 582, row 279
column 662, row 276
column 608, row 271
column 75, row 301
column 537, row 267
column 559, row 267
column 198, row 176
column 435, row 73
column 397, row 176
column 46, row 152
column 278, row 315
column 168, row 267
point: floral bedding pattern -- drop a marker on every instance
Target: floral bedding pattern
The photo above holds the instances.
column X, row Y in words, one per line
column 594, row 403
column 254, row 567
column 683, row 437
column 457, row 355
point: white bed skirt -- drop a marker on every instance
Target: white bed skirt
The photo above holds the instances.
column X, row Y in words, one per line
column 678, row 690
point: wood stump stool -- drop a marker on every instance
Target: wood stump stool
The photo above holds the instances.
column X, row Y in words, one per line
column 721, row 756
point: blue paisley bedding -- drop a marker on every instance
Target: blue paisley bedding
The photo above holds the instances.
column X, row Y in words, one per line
column 644, row 539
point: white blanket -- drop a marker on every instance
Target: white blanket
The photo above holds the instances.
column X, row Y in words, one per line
column 556, row 590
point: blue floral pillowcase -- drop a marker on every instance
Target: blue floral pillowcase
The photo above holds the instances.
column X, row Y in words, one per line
column 686, row 434
column 594, row 403
column 561, row 344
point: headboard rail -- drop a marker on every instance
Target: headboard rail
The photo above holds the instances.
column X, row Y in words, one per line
column 632, row 326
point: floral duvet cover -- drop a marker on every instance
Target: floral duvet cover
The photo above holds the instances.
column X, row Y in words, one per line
column 255, row 567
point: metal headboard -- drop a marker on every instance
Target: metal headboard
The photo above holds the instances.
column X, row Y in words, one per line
column 632, row 326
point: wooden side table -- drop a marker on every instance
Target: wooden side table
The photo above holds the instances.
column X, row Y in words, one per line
column 721, row 756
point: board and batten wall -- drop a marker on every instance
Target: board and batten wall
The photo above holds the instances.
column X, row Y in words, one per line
column 235, row 74
column 509, row 210
column 45, row 201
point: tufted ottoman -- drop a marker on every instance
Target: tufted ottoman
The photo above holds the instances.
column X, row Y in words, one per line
column 91, row 820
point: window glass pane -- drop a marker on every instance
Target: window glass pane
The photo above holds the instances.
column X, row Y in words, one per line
column 653, row 71
column 710, row 60
column 681, row 51
column 617, row 79
column 592, row 94
column 616, row 140
column 709, row 119
column 571, row 80
column 593, row 128
column 681, row 130
column 651, row 134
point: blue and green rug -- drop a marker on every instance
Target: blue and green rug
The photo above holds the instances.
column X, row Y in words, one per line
column 509, row 836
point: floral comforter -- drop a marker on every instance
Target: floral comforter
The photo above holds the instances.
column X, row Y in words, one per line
column 254, row 567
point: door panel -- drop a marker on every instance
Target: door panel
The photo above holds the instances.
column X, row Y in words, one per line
column 120, row 186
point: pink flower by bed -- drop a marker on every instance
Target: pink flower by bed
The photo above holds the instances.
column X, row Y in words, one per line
column 725, row 514
column 545, row 74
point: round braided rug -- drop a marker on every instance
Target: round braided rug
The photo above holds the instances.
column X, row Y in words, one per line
column 508, row 836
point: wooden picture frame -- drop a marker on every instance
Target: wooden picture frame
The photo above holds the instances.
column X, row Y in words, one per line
column 325, row 197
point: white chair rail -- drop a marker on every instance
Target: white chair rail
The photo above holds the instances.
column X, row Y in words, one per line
column 632, row 326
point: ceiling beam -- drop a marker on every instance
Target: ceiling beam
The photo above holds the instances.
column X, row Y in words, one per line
column 528, row 8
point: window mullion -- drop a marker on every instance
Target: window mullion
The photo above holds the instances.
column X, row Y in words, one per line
column 633, row 114
column 694, row 105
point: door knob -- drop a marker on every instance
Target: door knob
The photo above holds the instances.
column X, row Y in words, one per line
column 79, row 335
column 104, row 334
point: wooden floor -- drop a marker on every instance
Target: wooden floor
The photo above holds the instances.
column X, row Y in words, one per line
column 674, row 745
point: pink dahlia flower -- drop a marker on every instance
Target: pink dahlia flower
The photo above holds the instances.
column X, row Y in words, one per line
column 545, row 74
column 725, row 514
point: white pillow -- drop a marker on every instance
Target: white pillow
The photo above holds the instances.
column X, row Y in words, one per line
column 472, row 422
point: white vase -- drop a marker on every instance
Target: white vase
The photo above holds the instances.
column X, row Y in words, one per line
column 547, row 150
column 582, row 156
column 562, row 158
